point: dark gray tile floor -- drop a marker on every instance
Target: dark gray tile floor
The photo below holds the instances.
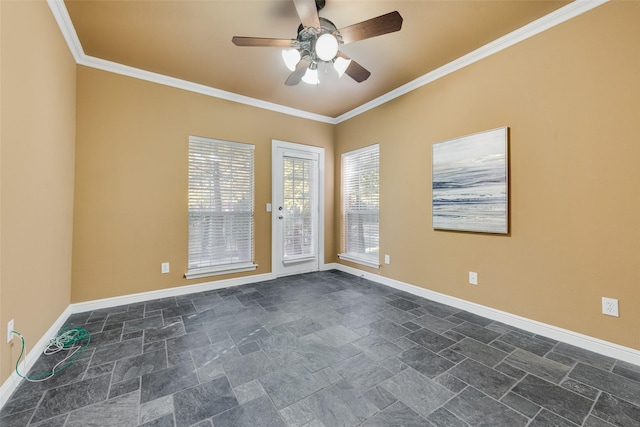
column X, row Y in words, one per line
column 321, row 349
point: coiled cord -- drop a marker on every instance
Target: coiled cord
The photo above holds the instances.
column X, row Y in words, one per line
column 67, row 340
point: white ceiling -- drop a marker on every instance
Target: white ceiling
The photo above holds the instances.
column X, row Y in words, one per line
column 188, row 43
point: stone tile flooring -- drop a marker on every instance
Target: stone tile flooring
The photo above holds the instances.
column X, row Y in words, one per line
column 321, row 349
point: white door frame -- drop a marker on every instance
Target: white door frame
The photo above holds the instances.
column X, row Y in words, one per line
column 276, row 251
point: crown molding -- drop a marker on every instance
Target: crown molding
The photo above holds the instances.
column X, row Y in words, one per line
column 125, row 70
column 63, row 19
column 61, row 15
column 557, row 17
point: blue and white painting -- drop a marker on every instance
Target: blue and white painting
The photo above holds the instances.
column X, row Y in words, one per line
column 470, row 183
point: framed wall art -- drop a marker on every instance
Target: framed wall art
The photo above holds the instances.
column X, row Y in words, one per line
column 470, row 183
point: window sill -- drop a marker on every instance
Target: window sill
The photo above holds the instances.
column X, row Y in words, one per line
column 217, row 271
column 298, row 259
column 357, row 260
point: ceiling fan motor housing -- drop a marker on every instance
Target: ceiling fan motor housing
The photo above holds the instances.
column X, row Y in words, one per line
column 318, row 40
column 308, row 37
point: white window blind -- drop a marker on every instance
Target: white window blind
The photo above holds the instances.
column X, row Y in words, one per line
column 221, row 207
column 299, row 208
column 361, row 205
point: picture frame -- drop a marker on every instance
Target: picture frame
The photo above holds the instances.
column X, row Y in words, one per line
column 470, row 183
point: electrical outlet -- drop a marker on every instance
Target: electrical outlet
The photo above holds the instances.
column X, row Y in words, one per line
column 473, row 278
column 387, row 259
column 9, row 329
column 164, row 268
column 610, row 307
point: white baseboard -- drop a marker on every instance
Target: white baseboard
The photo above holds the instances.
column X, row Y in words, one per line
column 81, row 307
column 579, row 340
column 10, row 385
column 559, row 334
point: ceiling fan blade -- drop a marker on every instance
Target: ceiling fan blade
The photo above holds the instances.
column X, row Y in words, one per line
column 373, row 27
column 356, row 71
column 307, row 12
column 260, row 42
column 295, row 77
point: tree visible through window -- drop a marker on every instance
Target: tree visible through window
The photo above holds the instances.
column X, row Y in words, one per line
column 361, row 205
column 298, row 211
column 221, row 207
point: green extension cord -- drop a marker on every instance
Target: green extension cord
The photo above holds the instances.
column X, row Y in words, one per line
column 67, row 340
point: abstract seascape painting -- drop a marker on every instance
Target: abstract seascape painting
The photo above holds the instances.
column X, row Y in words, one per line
column 470, row 183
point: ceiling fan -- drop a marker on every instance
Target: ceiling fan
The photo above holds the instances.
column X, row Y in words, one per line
column 319, row 41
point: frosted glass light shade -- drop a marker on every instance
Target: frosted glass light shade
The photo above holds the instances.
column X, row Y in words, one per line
column 340, row 64
column 311, row 76
column 291, row 57
column 326, row 47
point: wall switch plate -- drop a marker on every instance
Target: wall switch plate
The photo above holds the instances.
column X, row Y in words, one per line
column 164, row 268
column 473, row 278
column 9, row 329
column 387, row 259
column 268, row 207
column 610, row 307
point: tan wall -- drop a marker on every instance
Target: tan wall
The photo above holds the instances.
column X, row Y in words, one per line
column 38, row 127
column 132, row 179
column 571, row 97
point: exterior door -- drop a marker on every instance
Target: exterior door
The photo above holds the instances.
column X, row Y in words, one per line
column 296, row 209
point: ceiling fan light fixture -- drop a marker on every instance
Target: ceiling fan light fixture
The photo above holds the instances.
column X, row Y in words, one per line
column 326, row 47
column 340, row 65
column 311, row 75
column 318, row 41
column 291, row 57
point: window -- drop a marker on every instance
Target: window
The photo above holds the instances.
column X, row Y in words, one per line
column 300, row 208
column 221, row 193
column 361, row 205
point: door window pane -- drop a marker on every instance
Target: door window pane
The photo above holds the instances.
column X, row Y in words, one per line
column 298, row 215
